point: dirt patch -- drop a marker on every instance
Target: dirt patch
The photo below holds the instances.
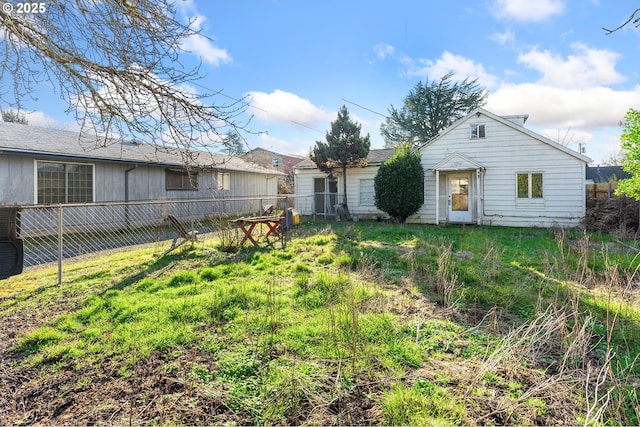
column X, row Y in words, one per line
column 617, row 215
column 152, row 394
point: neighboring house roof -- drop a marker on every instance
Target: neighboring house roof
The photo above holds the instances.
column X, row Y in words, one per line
column 288, row 160
column 50, row 143
column 514, row 123
column 376, row 157
column 598, row 174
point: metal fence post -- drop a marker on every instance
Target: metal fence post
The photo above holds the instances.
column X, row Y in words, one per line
column 59, row 245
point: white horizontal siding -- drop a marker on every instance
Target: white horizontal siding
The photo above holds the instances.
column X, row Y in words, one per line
column 504, row 153
column 305, row 189
column 354, row 175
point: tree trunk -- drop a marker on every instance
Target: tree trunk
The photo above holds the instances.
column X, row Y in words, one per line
column 345, row 215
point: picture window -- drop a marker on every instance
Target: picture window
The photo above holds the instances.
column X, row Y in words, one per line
column 59, row 182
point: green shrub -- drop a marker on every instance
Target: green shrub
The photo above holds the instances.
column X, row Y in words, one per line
column 399, row 184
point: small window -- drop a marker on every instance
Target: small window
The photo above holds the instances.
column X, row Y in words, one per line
column 529, row 185
column 367, row 192
column 181, row 180
column 275, row 162
column 477, row 131
column 224, row 181
column 64, row 182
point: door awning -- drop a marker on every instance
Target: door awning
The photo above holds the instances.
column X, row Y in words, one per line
column 460, row 162
column 457, row 162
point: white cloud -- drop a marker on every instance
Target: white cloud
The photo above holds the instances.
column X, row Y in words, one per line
column 590, row 116
column 383, row 50
column 433, row 70
column 570, row 94
column 580, row 109
column 585, row 68
column 527, row 10
column 40, row 119
column 571, row 100
column 462, row 66
column 508, row 37
column 199, row 44
column 287, row 108
column 204, row 47
column 138, row 101
column 609, row 147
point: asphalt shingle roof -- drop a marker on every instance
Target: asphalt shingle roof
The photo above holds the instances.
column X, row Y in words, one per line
column 375, row 157
column 36, row 141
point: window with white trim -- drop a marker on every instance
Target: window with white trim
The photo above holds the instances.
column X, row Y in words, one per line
column 367, row 192
column 529, row 185
column 224, row 180
column 476, row 131
column 62, row 182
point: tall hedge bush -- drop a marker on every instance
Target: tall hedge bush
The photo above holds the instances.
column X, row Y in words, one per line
column 399, row 184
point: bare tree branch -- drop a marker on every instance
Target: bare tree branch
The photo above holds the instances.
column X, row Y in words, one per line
column 632, row 19
column 117, row 66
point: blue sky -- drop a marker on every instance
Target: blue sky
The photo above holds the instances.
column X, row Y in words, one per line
column 299, row 61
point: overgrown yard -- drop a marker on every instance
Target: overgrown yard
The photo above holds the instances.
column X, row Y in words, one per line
column 358, row 324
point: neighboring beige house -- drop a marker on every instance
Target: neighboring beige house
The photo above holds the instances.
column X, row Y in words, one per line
column 281, row 162
column 486, row 170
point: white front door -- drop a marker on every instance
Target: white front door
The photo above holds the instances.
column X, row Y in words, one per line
column 460, row 198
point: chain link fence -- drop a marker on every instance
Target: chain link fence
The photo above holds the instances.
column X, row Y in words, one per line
column 52, row 234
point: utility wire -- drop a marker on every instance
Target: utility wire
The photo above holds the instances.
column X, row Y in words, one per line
column 364, row 108
column 249, row 104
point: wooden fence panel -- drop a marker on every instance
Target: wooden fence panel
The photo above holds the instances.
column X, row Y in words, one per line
column 604, row 190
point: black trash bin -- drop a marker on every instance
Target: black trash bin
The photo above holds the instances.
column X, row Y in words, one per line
column 11, row 248
column 288, row 218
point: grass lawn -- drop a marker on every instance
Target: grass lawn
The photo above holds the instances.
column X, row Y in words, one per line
column 349, row 323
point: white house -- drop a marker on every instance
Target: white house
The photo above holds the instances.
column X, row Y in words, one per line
column 317, row 193
column 487, row 169
column 490, row 170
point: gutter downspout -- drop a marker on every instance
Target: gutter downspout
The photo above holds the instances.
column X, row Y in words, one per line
column 126, row 194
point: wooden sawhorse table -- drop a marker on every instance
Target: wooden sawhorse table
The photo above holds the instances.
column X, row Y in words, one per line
column 273, row 222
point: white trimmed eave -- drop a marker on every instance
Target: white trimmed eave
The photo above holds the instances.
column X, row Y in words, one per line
column 481, row 111
column 457, row 162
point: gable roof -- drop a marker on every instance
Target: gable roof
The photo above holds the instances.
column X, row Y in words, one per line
column 376, row 157
column 50, row 143
column 513, row 125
